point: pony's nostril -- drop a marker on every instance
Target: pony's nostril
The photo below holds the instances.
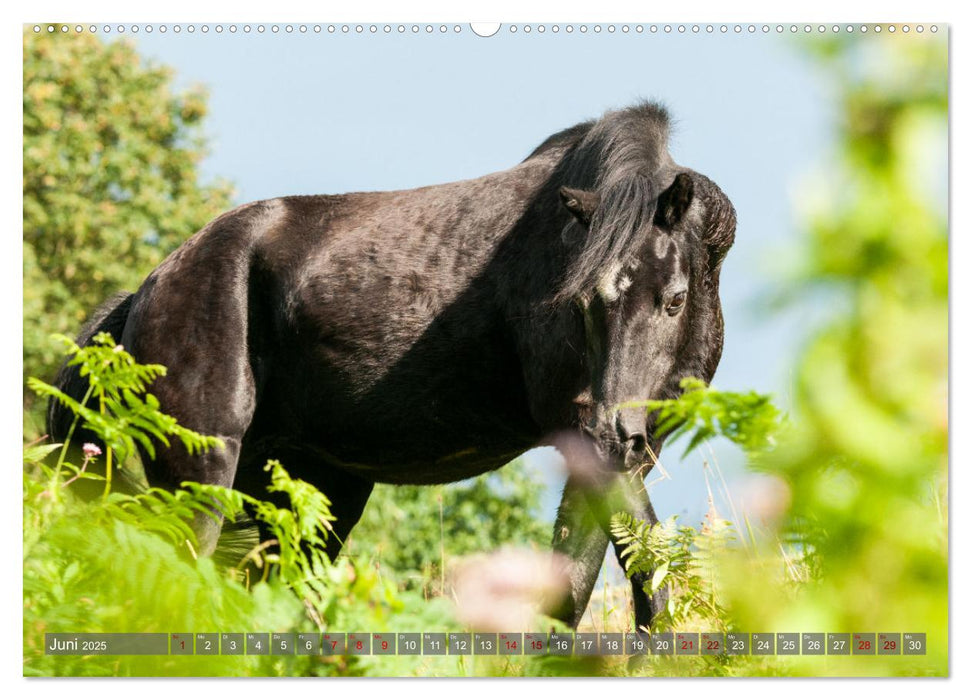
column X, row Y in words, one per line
column 638, row 443
column 634, row 442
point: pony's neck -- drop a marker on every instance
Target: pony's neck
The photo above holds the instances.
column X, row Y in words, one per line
column 531, row 255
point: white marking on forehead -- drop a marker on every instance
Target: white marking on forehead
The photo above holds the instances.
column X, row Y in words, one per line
column 614, row 283
column 608, row 287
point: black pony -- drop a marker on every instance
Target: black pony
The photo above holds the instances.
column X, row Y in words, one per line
column 429, row 335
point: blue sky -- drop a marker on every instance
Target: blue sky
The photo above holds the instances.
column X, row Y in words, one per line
column 328, row 113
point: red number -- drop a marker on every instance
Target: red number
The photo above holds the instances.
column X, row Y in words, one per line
column 333, row 645
column 890, row 644
column 384, row 645
column 360, row 645
column 712, row 644
column 864, row 644
column 687, row 644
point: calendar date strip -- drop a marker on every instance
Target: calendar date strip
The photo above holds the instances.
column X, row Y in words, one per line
column 487, row 644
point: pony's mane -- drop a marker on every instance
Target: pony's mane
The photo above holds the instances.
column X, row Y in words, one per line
column 568, row 137
column 620, row 156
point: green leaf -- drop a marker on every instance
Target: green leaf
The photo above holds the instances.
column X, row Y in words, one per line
column 37, row 453
column 658, row 578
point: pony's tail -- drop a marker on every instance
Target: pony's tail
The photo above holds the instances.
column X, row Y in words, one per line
column 110, row 317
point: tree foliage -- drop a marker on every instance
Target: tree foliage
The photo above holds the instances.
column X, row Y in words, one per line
column 110, row 185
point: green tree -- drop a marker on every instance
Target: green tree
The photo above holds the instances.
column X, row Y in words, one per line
column 110, row 179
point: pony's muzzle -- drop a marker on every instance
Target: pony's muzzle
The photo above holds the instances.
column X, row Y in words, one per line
column 620, row 440
column 632, row 436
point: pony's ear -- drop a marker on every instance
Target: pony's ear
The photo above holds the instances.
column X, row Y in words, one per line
column 674, row 201
column 581, row 203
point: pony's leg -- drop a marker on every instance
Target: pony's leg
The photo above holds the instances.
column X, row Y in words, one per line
column 582, row 533
column 578, row 535
column 633, row 498
column 193, row 316
column 173, row 465
column 224, row 412
column 347, row 505
column 347, row 493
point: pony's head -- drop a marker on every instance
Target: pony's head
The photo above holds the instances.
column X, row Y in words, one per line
column 646, row 239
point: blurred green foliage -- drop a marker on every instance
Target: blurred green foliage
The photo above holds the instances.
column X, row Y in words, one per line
column 110, row 185
column 866, row 465
column 860, row 543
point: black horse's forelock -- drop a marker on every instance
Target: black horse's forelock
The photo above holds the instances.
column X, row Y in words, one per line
column 624, row 209
column 619, row 156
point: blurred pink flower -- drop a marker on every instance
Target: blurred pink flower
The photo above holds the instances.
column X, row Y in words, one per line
column 765, row 498
column 91, row 450
column 503, row 591
column 581, row 458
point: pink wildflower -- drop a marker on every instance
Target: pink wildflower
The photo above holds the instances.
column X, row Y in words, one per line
column 503, row 591
column 91, row 450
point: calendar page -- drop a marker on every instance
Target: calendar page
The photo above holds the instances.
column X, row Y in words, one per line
column 450, row 349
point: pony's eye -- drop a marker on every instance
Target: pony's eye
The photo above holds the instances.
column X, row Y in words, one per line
column 676, row 303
